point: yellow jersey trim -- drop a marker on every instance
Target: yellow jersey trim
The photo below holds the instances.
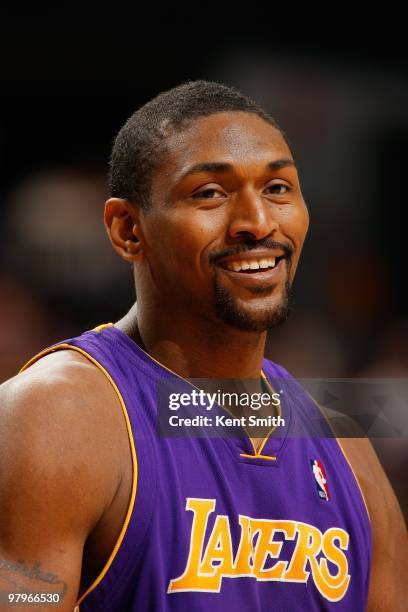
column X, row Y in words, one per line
column 66, row 346
column 257, row 456
column 258, row 453
column 100, row 327
column 355, row 476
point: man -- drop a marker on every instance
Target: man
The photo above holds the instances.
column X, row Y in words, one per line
column 104, row 513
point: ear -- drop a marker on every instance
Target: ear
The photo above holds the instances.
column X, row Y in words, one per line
column 121, row 220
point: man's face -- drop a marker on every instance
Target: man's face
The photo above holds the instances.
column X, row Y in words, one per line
column 227, row 222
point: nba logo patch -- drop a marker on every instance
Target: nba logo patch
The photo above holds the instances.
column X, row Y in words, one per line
column 320, row 479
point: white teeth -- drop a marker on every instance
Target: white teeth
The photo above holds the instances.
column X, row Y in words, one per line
column 262, row 264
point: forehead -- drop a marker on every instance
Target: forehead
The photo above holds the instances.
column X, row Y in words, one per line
column 233, row 137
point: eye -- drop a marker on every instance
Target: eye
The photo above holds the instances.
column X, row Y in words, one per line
column 278, row 189
column 208, row 194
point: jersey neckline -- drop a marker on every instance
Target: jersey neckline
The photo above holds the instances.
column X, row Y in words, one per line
column 268, row 454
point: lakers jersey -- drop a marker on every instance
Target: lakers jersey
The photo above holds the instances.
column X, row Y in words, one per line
column 212, row 524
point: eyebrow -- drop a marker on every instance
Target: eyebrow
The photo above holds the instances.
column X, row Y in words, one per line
column 221, row 167
column 281, row 163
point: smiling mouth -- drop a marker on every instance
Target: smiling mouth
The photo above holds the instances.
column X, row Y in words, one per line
column 252, row 266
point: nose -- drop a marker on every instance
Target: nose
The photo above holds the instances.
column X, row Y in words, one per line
column 251, row 216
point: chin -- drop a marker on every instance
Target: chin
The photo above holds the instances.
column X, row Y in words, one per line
column 255, row 316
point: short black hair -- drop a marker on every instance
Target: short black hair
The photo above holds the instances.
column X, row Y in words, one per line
column 140, row 144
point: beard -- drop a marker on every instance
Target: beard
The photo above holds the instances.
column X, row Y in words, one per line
column 235, row 312
column 230, row 311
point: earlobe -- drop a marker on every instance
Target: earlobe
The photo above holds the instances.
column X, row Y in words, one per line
column 133, row 246
column 121, row 223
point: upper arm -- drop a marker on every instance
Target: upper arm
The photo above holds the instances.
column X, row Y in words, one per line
column 53, row 488
column 389, row 568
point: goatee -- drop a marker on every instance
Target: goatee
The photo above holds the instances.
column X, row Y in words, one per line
column 229, row 311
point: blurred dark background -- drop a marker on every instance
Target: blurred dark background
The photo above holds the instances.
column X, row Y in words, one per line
column 72, row 74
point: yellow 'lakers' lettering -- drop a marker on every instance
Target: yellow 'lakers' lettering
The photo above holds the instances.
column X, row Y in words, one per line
column 256, row 551
column 219, row 550
column 340, row 581
column 201, row 508
column 267, row 547
column 308, row 545
column 244, row 559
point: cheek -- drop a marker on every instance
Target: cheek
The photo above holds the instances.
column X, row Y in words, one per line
column 303, row 224
column 294, row 222
column 180, row 240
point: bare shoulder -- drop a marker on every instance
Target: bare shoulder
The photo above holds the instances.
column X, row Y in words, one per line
column 64, row 395
column 62, row 413
column 371, row 477
column 389, row 569
column 61, row 430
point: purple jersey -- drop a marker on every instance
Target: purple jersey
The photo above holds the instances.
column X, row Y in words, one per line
column 213, row 525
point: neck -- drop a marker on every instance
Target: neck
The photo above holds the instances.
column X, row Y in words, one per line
column 192, row 347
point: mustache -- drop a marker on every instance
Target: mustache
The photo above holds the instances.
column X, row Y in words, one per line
column 250, row 245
